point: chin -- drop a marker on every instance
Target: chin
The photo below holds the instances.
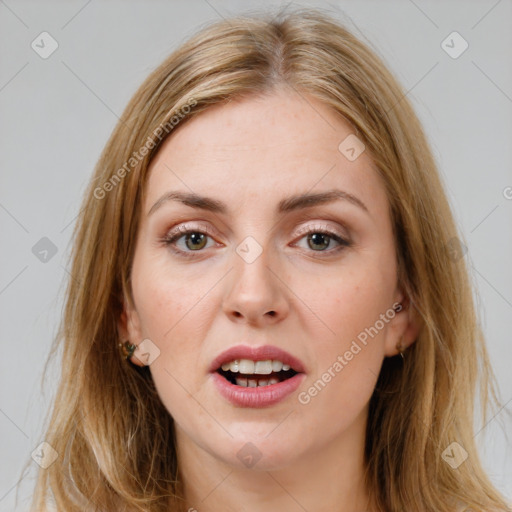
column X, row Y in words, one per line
column 258, row 452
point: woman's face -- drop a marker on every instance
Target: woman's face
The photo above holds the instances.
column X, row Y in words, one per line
column 249, row 274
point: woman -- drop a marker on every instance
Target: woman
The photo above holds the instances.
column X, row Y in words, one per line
column 269, row 307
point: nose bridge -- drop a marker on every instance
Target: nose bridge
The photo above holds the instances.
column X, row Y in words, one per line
column 255, row 292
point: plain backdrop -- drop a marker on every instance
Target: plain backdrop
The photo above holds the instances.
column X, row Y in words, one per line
column 56, row 114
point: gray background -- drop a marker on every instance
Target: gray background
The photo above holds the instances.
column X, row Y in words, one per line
column 57, row 113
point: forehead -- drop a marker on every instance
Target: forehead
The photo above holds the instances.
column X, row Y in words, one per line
column 259, row 149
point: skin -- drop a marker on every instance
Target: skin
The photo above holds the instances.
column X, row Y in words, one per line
column 250, row 154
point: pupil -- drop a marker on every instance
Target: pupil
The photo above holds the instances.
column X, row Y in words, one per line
column 317, row 239
column 196, row 238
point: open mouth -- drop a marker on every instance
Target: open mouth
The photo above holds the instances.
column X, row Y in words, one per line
column 253, row 380
column 256, row 377
column 266, row 366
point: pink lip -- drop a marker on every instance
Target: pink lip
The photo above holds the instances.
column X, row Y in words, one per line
column 263, row 396
column 256, row 354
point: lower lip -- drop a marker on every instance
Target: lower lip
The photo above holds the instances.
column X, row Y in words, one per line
column 259, row 396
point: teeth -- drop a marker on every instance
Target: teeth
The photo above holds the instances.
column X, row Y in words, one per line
column 246, row 366
column 255, row 367
column 263, row 367
column 277, row 366
column 252, row 383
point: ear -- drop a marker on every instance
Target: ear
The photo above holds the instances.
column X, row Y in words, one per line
column 404, row 328
column 129, row 328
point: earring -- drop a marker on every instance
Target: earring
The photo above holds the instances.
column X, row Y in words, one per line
column 401, row 348
column 127, row 349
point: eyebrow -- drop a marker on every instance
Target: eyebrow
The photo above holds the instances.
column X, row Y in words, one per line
column 297, row 202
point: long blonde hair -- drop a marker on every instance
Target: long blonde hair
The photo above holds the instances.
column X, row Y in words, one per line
column 114, row 438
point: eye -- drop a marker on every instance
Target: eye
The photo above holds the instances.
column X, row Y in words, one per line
column 319, row 239
column 194, row 240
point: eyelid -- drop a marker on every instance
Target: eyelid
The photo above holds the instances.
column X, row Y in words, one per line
column 183, row 228
column 175, row 233
column 322, row 226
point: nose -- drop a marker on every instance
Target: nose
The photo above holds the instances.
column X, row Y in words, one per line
column 256, row 292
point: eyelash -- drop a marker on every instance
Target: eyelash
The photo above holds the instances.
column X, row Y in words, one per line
column 170, row 239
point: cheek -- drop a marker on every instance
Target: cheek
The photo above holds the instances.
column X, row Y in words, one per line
column 166, row 300
column 346, row 302
column 349, row 355
column 168, row 309
column 174, row 311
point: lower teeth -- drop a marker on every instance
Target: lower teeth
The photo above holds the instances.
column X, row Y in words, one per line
column 254, row 383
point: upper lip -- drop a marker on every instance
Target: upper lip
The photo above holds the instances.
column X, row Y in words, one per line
column 262, row 353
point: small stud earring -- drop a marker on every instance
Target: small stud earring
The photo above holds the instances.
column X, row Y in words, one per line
column 127, row 349
column 401, row 348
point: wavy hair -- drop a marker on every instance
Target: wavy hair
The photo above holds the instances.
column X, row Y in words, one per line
column 114, row 437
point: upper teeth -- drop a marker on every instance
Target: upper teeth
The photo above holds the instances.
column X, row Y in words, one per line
column 258, row 367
